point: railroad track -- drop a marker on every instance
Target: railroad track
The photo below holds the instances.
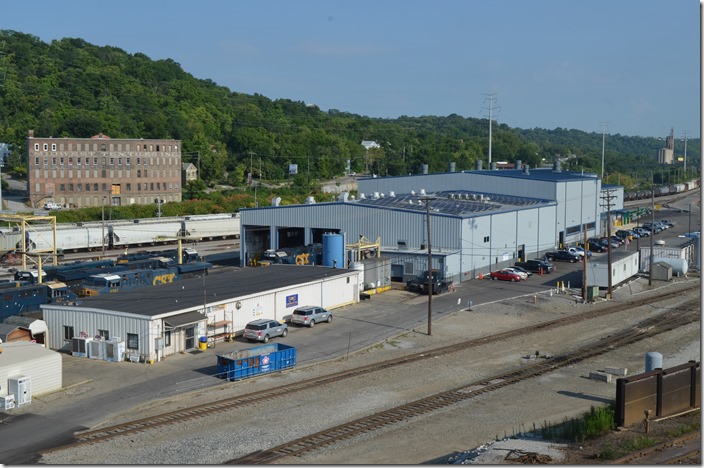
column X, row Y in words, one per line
column 309, row 443
column 285, row 391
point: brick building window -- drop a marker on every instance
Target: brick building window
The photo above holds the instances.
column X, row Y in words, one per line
column 129, row 187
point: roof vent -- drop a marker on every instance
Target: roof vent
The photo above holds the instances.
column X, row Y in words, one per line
column 275, row 201
column 422, row 192
column 362, row 196
column 310, row 201
column 413, row 192
column 526, row 169
column 375, row 195
column 343, row 196
column 392, row 193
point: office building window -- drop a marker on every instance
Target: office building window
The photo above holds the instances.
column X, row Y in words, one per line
column 132, row 341
column 68, row 333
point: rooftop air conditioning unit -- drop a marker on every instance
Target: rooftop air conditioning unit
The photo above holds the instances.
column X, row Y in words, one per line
column 422, row 191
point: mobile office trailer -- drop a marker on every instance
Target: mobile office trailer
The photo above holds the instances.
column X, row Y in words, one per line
column 624, row 265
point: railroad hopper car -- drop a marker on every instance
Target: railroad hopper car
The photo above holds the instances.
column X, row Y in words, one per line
column 96, row 235
column 661, row 191
column 246, row 363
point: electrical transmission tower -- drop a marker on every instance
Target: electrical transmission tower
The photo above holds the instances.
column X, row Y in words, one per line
column 491, row 99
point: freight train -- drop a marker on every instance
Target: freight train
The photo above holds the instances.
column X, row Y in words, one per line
column 661, row 191
column 96, row 235
column 25, row 298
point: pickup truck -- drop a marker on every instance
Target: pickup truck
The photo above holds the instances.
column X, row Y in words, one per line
column 420, row 283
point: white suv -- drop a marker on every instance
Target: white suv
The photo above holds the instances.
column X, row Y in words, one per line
column 308, row 315
column 52, row 206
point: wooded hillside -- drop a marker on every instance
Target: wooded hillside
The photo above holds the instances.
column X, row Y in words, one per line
column 70, row 88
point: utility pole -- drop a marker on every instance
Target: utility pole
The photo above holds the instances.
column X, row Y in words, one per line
column 603, row 144
column 608, row 197
column 652, row 236
column 584, row 259
column 427, row 201
column 491, row 100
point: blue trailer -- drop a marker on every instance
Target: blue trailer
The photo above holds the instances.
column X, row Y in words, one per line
column 246, row 363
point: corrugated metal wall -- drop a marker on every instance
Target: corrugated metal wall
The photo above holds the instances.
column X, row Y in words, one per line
column 44, row 372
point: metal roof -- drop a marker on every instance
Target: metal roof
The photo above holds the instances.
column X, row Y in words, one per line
column 453, row 202
column 217, row 286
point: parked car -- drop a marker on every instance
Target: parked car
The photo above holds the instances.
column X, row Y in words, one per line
column 668, row 223
column 618, row 240
column 653, row 228
column 310, row 315
column 612, row 244
column 579, row 251
column 562, row 255
column 642, row 232
column 523, row 270
column 523, row 274
column 506, row 275
column 625, row 234
column 536, row 266
column 264, row 329
column 51, row 206
column 594, row 245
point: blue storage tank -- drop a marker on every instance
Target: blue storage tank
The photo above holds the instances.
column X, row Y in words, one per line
column 333, row 250
column 242, row 364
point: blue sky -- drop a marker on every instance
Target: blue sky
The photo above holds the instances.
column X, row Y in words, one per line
column 631, row 65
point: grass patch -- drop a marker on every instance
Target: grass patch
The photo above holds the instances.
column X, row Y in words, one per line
column 615, row 451
column 592, row 424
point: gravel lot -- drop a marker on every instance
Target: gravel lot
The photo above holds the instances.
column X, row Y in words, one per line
column 449, row 434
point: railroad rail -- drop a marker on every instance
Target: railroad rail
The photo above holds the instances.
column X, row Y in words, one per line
column 645, row 329
column 285, row 391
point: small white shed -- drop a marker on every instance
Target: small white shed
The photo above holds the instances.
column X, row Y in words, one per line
column 40, row 365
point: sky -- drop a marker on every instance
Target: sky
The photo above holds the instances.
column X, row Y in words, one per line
column 629, row 67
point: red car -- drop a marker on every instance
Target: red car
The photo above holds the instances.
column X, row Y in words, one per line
column 505, row 275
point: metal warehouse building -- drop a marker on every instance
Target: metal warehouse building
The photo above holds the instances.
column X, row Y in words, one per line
column 30, row 368
column 479, row 220
column 171, row 318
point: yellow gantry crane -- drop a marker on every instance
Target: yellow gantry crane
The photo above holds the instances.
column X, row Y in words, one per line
column 26, row 246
